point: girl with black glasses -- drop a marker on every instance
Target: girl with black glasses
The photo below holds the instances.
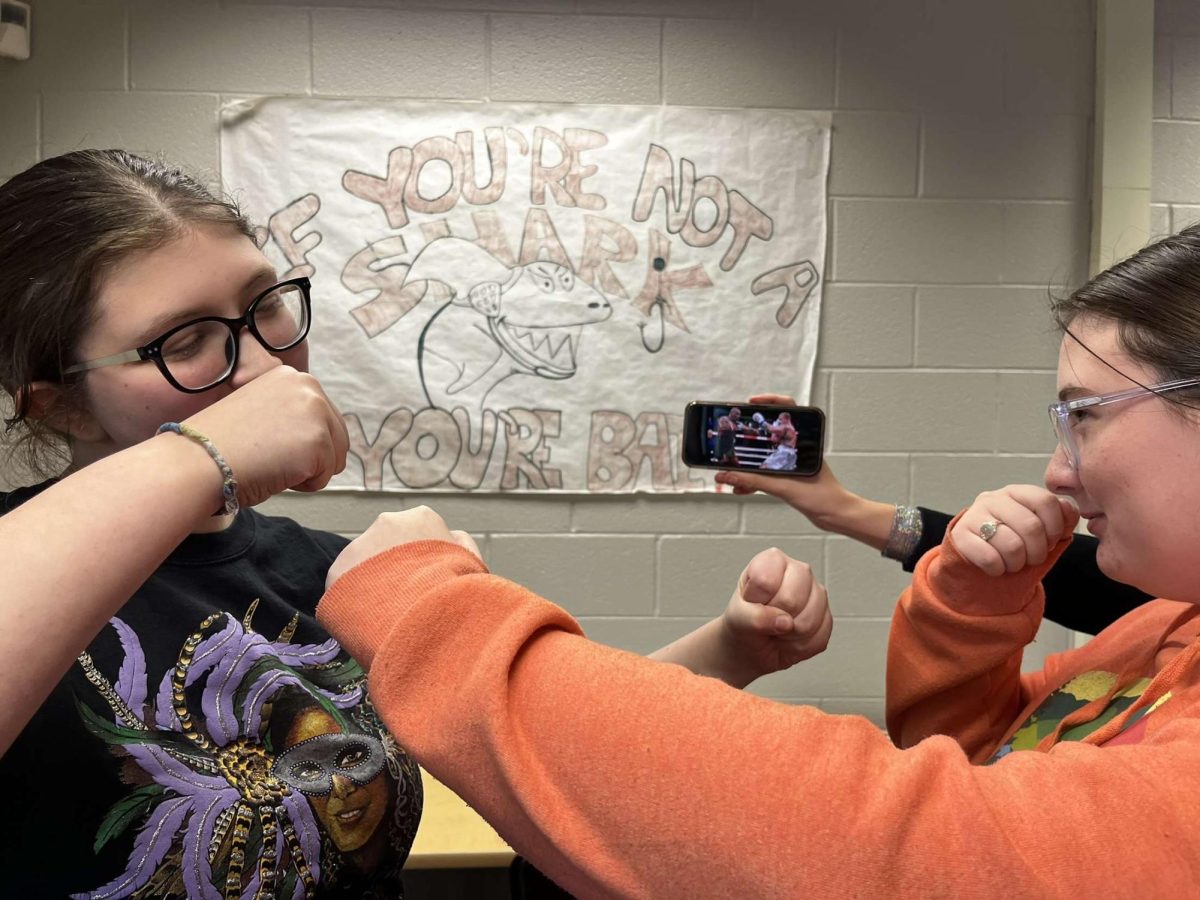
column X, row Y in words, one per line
column 173, row 720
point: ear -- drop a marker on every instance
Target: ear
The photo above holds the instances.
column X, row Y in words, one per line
column 49, row 404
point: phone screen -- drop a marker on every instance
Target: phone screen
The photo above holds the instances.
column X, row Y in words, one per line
column 779, row 440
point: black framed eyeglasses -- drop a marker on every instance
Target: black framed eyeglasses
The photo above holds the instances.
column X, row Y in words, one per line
column 202, row 353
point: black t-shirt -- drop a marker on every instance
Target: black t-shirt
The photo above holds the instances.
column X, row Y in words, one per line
column 211, row 731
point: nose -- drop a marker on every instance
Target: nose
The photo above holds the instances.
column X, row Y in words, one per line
column 1061, row 477
column 342, row 786
column 253, row 360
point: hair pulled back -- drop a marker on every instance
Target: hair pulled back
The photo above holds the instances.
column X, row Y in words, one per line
column 65, row 223
column 1153, row 297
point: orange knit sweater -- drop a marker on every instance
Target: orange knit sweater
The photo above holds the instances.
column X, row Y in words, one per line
column 620, row 776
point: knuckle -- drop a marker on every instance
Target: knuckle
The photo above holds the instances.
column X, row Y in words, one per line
column 431, row 516
column 758, row 580
column 1029, row 529
column 772, row 556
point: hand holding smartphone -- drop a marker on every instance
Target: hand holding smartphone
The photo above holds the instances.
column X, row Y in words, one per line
column 753, row 437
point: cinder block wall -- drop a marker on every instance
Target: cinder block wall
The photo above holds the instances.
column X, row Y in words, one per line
column 1175, row 185
column 958, row 197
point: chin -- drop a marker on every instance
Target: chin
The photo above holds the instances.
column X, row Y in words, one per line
column 1111, row 563
column 1146, row 578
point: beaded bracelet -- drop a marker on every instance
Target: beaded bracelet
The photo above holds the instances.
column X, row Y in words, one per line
column 230, row 485
column 905, row 534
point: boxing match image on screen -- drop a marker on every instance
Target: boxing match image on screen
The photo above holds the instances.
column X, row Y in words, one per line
column 781, row 440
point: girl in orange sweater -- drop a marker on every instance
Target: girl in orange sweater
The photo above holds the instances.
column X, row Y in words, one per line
column 622, row 777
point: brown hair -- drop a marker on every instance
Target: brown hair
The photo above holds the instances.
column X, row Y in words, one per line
column 1153, row 297
column 64, row 224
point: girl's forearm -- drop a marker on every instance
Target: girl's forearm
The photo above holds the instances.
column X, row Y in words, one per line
column 868, row 521
column 77, row 551
column 704, row 652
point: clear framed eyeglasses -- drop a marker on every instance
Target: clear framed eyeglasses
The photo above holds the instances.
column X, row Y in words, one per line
column 1061, row 413
column 202, row 353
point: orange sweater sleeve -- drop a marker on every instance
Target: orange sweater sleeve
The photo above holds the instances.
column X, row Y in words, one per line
column 955, row 647
column 620, row 776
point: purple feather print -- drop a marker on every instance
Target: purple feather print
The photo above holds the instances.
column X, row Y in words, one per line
column 266, row 687
column 217, row 700
column 207, row 655
column 152, row 844
column 215, row 645
column 131, row 683
column 196, row 793
column 270, row 683
column 232, row 670
column 164, row 712
column 173, row 774
column 307, row 831
column 302, row 655
column 197, row 873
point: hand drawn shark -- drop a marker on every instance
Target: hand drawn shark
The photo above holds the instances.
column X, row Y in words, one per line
column 500, row 321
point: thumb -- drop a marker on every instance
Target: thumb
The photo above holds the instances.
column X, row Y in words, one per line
column 748, row 483
column 759, row 618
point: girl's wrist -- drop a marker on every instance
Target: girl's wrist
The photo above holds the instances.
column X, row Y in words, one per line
column 733, row 663
column 189, row 478
column 856, row 517
column 229, row 485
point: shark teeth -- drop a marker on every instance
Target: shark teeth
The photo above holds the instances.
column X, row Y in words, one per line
column 563, row 355
column 556, row 346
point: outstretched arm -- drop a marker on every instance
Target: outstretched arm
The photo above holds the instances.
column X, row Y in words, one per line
column 621, row 777
column 79, row 549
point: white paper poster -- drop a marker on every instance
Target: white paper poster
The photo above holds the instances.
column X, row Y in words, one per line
column 524, row 297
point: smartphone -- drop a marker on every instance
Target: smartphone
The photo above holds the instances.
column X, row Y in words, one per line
column 753, row 437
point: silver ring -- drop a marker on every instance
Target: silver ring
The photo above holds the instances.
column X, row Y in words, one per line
column 988, row 529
